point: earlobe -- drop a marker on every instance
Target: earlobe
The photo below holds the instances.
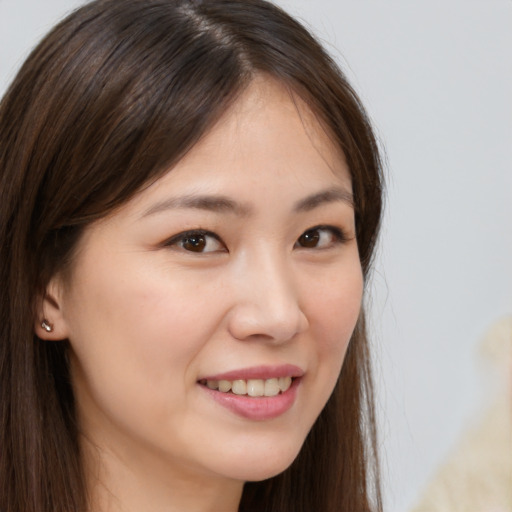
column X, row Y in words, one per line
column 49, row 323
column 46, row 325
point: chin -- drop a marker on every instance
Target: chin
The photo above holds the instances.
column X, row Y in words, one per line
column 259, row 463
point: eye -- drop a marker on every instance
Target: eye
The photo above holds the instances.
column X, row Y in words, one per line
column 321, row 237
column 198, row 241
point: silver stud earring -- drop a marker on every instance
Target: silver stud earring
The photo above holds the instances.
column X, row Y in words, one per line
column 47, row 326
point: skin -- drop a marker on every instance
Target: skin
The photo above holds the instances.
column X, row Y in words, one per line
column 147, row 317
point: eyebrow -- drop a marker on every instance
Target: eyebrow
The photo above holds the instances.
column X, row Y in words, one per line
column 223, row 204
column 331, row 195
column 213, row 203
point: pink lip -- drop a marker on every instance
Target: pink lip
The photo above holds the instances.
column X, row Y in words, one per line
column 257, row 408
column 259, row 372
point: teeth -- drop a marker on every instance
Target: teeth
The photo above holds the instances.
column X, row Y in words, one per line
column 224, row 385
column 239, row 387
column 255, row 387
column 252, row 387
column 284, row 383
column 272, row 387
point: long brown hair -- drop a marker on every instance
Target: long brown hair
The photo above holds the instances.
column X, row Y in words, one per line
column 114, row 96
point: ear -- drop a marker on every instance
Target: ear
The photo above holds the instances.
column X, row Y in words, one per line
column 49, row 323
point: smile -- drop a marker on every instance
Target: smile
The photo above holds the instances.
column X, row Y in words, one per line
column 251, row 387
column 259, row 393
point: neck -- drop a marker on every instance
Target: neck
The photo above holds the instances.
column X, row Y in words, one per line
column 119, row 484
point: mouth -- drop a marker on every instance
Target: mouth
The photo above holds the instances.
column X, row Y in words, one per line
column 258, row 393
column 251, row 387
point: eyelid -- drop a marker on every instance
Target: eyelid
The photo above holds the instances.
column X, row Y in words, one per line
column 340, row 236
column 175, row 239
column 340, row 233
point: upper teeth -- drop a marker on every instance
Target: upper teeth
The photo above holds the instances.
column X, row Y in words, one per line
column 252, row 387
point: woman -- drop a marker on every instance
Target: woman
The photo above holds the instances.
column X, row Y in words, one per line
column 190, row 198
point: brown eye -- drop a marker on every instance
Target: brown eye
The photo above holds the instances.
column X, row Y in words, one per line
column 321, row 237
column 197, row 241
column 194, row 243
column 309, row 238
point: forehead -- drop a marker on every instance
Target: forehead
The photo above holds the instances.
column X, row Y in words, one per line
column 266, row 148
column 268, row 107
column 270, row 133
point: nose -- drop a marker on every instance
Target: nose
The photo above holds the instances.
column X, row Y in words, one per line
column 267, row 303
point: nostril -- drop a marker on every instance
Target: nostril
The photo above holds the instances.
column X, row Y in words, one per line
column 275, row 321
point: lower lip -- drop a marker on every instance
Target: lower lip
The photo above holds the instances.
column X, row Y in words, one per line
column 257, row 408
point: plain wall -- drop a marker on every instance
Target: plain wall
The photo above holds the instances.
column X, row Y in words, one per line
column 437, row 80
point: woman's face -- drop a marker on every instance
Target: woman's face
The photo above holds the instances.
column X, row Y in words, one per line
column 237, row 269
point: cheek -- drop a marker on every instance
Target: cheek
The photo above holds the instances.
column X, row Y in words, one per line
column 335, row 308
column 134, row 343
column 333, row 314
column 131, row 330
column 148, row 310
column 137, row 341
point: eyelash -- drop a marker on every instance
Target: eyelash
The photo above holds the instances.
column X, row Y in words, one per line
column 182, row 238
column 337, row 234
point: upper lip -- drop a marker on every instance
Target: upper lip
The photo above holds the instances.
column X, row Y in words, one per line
column 258, row 372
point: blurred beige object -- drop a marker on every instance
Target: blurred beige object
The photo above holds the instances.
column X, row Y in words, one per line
column 477, row 475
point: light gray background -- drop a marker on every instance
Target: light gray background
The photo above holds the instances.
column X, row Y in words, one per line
column 436, row 77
